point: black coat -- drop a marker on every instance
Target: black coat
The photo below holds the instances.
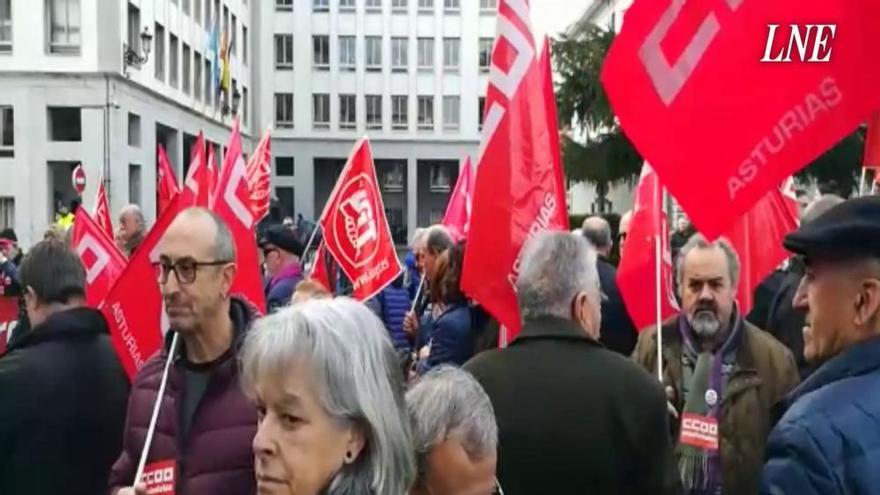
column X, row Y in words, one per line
column 786, row 323
column 63, row 396
column 618, row 334
column 574, row 417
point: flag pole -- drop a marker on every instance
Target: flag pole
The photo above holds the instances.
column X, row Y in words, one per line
column 155, row 417
column 309, row 244
column 862, row 182
column 415, row 302
column 317, row 250
column 658, row 252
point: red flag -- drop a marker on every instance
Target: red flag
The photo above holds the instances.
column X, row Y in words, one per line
column 637, row 276
column 356, row 232
column 872, row 147
column 194, row 193
column 458, row 211
column 757, row 238
column 232, row 204
column 789, row 194
column 8, row 320
column 320, row 273
column 102, row 210
column 692, row 71
column 166, row 183
column 100, row 256
column 212, row 175
column 134, row 309
column 518, row 184
column 259, row 176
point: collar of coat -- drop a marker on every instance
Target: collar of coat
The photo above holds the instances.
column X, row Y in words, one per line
column 553, row 327
column 861, row 359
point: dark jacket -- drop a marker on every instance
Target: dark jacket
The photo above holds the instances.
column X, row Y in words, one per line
column 786, row 323
column 62, row 407
column 216, row 457
column 828, row 442
column 763, row 374
column 762, row 298
column 450, row 337
column 618, row 334
column 574, row 417
column 392, row 304
column 279, row 289
column 9, row 285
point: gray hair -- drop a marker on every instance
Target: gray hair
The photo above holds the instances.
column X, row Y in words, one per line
column 437, row 239
column 358, row 379
column 134, row 210
column 449, row 403
column 597, row 231
column 418, row 237
column 698, row 241
column 555, row 267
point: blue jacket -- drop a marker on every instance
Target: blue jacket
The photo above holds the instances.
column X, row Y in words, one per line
column 828, row 442
column 450, row 336
column 392, row 304
column 413, row 275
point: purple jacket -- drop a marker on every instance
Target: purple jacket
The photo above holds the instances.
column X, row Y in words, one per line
column 216, row 458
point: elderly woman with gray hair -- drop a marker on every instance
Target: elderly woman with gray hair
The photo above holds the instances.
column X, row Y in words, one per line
column 329, row 393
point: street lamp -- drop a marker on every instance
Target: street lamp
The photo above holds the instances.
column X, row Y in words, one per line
column 131, row 58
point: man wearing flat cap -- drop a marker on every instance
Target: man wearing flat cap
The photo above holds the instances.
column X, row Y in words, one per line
column 281, row 253
column 828, row 440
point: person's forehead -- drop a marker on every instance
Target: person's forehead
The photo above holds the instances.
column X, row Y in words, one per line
column 705, row 263
column 188, row 237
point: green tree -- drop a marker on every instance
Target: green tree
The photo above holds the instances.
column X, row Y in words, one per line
column 838, row 170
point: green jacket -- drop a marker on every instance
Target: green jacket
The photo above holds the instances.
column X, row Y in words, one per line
column 763, row 375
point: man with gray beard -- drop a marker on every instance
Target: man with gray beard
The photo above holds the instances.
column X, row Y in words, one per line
column 722, row 375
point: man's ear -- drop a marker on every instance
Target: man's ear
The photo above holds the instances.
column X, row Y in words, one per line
column 229, row 272
column 868, row 302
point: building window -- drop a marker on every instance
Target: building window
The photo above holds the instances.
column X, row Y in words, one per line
column 321, row 111
column 7, row 134
column 197, row 11
column 134, row 130
column 208, row 78
column 7, row 213
column 233, row 36
column 451, row 112
column 451, row 53
column 159, row 52
column 284, row 166
column 394, row 178
column 197, row 76
column 399, row 54
column 399, row 112
column 134, row 184
column 284, row 110
column 64, row 26
column 284, row 5
column 185, row 7
column 374, row 53
column 373, row 5
column 451, row 6
column 426, row 53
column 244, row 45
column 65, row 124
column 208, row 15
column 374, row 111
column 5, row 26
column 346, row 5
column 347, row 111
column 285, row 197
column 187, row 69
column 481, row 110
column 321, row 5
column 245, row 105
column 284, row 52
column 399, row 5
column 172, row 60
column 321, row 51
column 134, row 28
column 426, row 6
column 426, row 112
column 441, row 178
column 347, row 53
column 486, row 53
column 488, row 6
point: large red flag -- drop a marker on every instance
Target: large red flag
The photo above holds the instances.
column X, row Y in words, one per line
column 721, row 127
column 212, row 175
column 518, row 189
column 101, row 211
column 232, row 204
column 259, row 176
column 637, row 275
column 166, row 186
column 458, row 211
column 133, row 309
column 356, row 232
column 757, row 237
column 197, row 187
column 872, row 147
column 320, row 273
column 100, row 256
column 8, row 320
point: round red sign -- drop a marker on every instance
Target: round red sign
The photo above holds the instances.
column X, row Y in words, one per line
column 79, row 179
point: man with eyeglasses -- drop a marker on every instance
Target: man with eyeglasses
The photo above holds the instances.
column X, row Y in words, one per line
column 206, row 424
column 281, row 253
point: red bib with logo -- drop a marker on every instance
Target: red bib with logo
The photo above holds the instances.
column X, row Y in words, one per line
column 160, row 477
column 699, row 431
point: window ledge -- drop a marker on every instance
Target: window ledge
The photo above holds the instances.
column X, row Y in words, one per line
column 321, row 125
column 346, row 9
column 373, row 10
column 284, row 125
column 321, row 10
column 374, row 68
column 374, row 127
column 347, row 127
column 284, row 8
column 398, row 69
column 283, row 67
column 63, row 50
column 322, row 67
column 426, row 69
column 347, row 68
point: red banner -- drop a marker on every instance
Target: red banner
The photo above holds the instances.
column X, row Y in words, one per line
column 458, row 211
column 133, row 309
column 355, row 229
column 197, row 187
column 213, row 175
column 259, row 175
column 166, row 188
column 8, row 320
column 102, row 211
column 872, row 146
column 232, row 204
column 725, row 107
column 518, row 189
column 100, row 256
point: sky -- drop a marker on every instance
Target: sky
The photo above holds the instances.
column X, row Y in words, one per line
column 553, row 16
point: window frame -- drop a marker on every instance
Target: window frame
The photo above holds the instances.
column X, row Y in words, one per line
column 404, row 53
column 173, row 58
column 347, row 45
column 279, row 123
column 400, row 6
column 447, row 125
column 347, row 101
column 7, row 150
column 375, row 66
column 320, row 6
column 485, row 68
column 396, row 124
column 487, row 8
column 326, row 64
column 6, row 45
column 283, row 5
column 452, row 6
column 446, row 51
column 63, row 48
column 373, row 123
column 423, row 124
column 369, row 6
column 286, row 51
column 324, row 98
column 420, row 43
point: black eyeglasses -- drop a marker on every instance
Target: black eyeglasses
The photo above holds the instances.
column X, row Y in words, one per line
column 184, row 270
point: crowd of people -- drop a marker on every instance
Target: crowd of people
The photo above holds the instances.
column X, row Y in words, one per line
column 409, row 392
